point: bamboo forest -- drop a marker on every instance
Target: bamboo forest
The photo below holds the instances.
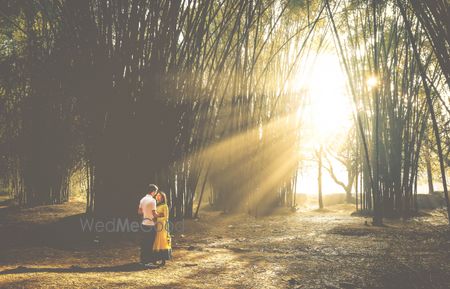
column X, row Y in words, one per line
column 248, row 143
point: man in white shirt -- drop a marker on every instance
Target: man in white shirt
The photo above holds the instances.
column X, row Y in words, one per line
column 147, row 208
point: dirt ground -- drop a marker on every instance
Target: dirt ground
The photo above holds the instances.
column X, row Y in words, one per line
column 42, row 248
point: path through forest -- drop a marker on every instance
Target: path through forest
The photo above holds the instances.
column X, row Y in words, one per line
column 304, row 249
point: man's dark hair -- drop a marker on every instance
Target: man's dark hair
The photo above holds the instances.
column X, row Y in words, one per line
column 152, row 188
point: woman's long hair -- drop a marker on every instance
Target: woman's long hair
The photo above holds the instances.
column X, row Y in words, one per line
column 164, row 198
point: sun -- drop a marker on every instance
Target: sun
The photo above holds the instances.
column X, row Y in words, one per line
column 371, row 82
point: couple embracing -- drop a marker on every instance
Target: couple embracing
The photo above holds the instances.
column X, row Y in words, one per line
column 155, row 239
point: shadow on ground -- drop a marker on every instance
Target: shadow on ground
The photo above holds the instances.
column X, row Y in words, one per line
column 129, row 267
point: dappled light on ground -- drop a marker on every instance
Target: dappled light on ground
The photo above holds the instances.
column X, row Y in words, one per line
column 307, row 249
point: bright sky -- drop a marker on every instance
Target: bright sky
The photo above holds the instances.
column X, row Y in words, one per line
column 327, row 118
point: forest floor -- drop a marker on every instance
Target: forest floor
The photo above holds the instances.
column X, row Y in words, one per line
column 303, row 249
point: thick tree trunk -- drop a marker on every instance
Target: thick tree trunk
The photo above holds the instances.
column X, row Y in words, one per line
column 428, row 167
column 319, row 177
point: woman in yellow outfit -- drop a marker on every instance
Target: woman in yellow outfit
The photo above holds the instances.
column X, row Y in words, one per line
column 162, row 247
